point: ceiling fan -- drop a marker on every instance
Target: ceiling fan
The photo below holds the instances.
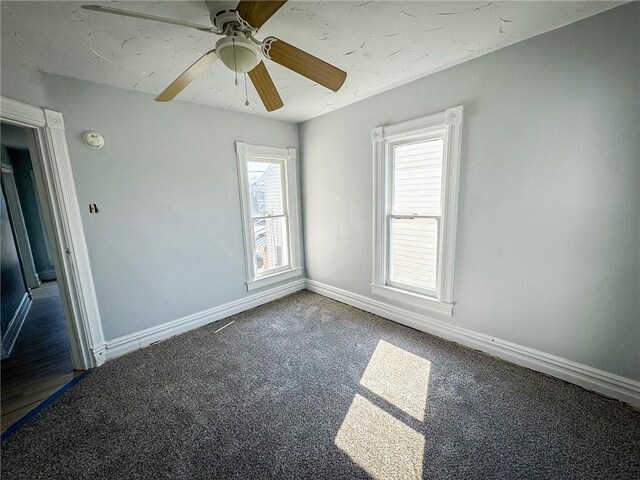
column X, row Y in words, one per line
column 241, row 52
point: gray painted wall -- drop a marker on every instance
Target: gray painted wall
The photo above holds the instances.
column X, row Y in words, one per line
column 12, row 284
column 167, row 241
column 13, row 136
column 548, row 237
column 19, row 82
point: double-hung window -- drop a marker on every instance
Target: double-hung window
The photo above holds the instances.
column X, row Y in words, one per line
column 270, row 213
column 417, row 167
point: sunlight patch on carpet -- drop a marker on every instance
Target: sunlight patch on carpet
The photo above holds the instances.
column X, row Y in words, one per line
column 383, row 446
column 399, row 377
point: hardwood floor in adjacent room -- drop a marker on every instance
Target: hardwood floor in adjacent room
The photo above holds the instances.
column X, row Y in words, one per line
column 40, row 362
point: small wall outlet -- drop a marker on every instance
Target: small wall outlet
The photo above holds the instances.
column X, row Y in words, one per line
column 93, row 208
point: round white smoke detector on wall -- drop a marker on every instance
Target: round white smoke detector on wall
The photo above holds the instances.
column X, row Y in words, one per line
column 93, row 140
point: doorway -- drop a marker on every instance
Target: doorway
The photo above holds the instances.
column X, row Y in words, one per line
column 36, row 350
column 66, row 289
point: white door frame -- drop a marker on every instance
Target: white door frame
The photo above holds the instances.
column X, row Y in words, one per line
column 56, row 191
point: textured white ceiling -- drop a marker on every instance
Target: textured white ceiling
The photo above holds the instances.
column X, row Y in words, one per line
column 380, row 44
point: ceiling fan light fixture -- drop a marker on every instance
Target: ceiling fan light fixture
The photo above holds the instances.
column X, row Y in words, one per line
column 238, row 53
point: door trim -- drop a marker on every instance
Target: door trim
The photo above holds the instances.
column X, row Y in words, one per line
column 56, row 191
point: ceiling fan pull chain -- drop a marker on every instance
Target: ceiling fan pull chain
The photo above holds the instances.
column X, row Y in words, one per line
column 246, row 95
column 235, row 63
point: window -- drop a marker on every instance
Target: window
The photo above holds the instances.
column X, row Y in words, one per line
column 270, row 213
column 416, row 187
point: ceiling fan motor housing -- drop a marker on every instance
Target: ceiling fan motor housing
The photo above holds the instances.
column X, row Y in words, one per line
column 224, row 19
column 238, row 53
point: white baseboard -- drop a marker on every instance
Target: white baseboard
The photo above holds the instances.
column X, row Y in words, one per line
column 128, row 343
column 15, row 325
column 611, row 385
column 47, row 275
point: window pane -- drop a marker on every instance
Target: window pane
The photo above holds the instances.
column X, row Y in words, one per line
column 272, row 250
column 414, row 252
column 417, row 177
column 265, row 182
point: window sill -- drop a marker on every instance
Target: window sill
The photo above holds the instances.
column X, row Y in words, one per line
column 415, row 300
column 273, row 278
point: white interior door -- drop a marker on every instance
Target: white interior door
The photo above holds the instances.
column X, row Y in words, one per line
column 19, row 227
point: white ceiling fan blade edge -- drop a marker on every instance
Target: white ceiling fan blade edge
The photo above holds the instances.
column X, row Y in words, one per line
column 144, row 16
column 188, row 76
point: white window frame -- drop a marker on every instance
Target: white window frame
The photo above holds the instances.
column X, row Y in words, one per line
column 447, row 125
column 287, row 158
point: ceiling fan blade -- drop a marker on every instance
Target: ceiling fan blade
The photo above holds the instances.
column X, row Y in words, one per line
column 266, row 89
column 188, row 76
column 304, row 63
column 256, row 13
column 144, row 16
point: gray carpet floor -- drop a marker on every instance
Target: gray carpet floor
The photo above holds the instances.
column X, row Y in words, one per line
column 306, row 387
